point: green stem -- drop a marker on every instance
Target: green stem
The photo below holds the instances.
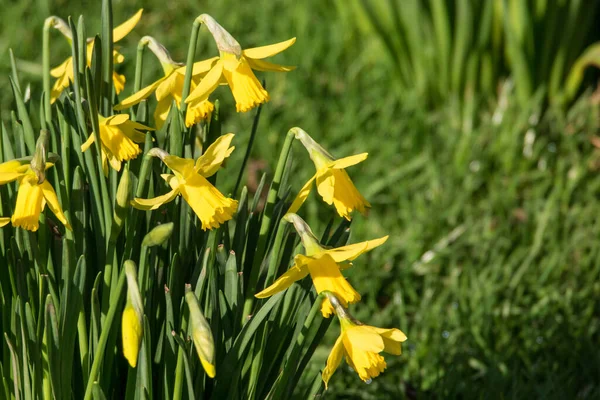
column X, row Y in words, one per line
column 46, row 67
column 107, row 57
column 248, row 148
column 179, row 370
column 264, row 227
column 189, row 64
column 139, row 63
column 274, row 260
column 106, row 329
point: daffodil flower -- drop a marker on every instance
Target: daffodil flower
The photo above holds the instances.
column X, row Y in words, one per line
column 361, row 345
column 32, row 195
column 64, row 72
column 235, row 68
column 118, row 137
column 189, row 180
column 333, row 183
column 324, row 266
column 170, row 87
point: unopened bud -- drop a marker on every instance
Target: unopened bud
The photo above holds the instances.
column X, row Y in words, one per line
column 121, row 203
column 158, row 235
column 201, row 333
column 132, row 319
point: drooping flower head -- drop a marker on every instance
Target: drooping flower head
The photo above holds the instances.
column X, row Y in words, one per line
column 333, row 183
column 169, row 88
column 64, row 72
column 189, row 180
column 34, row 190
column 118, row 138
column 132, row 327
column 235, row 68
column 324, row 266
column 361, row 345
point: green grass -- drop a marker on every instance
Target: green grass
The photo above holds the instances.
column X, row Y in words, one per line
column 508, row 303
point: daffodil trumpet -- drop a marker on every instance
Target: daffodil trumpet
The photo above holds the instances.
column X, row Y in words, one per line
column 169, row 88
column 333, row 183
column 361, row 344
column 189, row 180
column 64, row 72
column 323, row 264
column 235, row 67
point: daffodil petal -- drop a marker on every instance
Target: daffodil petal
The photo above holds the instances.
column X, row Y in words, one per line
column 138, row 96
column 30, row 203
column 283, row 282
column 52, row 201
column 326, row 275
column 334, row 359
column 210, row 162
column 11, row 171
column 302, row 195
column 392, row 339
column 352, row 251
column 364, row 338
column 123, row 30
column 208, row 84
column 348, row 161
column 260, row 65
column 161, row 112
column 4, row 221
column 168, row 87
column 116, row 119
column 154, row 203
column 199, row 68
column 269, row 50
column 86, row 145
column 183, row 166
column 209, row 204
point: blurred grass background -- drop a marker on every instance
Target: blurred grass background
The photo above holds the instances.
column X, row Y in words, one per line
column 488, row 186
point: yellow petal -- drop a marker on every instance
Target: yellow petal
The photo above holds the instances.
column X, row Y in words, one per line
column 154, row 203
column 139, row 96
column 63, row 68
column 352, row 251
column 199, row 68
column 168, row 86
column 283, row 282
column 392, row 339
column 116, row 119
column 131, row 330
column 161, row 112
column 182, row 166
column 246, row 89
column 197, row 112
column 302, row 195
column 52, row 200
column 334, row 359
column 123, row 30
column 348, row 161
column 29, row 205
column 118, row 82
column 207, row 85
column 211, row 207
column 11, row 171
column 4, row 221
column 210, row 162
column 364, row 338
column 117, row 144
column 260, row 65
column 268, row 51
column 86, row 145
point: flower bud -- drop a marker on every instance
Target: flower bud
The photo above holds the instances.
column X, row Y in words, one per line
column 131, row 321
column 158, row 235
column 201, row 333
column 121, row 203
column 38, row 162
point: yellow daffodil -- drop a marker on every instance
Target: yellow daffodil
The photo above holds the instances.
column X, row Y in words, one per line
column 190, row 181
column 34, row 190
column 201, row 333
column 64, row 72
column 131, row 320
column 4, row 221
column 235, row 68
column 118, row 137
column 361, row 345
column 170, row 87
column 323, row 265
column 333, row 183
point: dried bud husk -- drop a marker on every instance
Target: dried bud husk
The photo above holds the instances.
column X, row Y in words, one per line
column 38, row 162
column 225, row 42
column 309, row 240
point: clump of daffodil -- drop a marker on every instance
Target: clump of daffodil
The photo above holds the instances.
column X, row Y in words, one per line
column 190, row 181
column 170, row 87
column 34, row 190
column 333, row 183
column 64, row 72
column 118, row 138
column 235, row 66
column 131, row 320
column 201, row 333
column 323, row 264
column 361, row 345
